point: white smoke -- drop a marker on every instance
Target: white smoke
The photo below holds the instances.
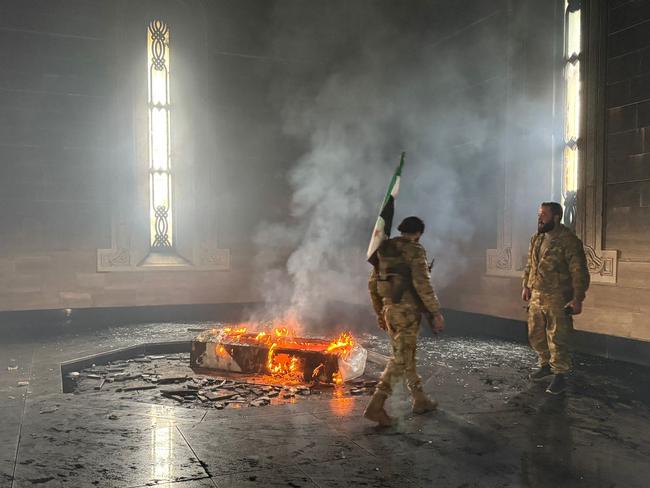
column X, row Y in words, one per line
column 390, row 92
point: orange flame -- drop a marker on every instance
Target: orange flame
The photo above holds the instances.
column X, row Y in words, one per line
column 269, row 358
column 281, row 332
column 234, row 332
column 282, row 364
column 221, row 351
column 281, row 335
column 342, row 345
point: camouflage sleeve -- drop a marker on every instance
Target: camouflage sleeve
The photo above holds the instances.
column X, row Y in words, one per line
column 377, row 303
column 524, row 284
column 422, row 281
column 577, row 262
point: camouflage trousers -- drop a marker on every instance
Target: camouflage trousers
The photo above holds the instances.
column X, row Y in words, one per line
column 549, row 333
column 403, row 323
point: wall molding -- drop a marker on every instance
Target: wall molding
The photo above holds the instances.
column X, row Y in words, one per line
column 121, row 256
column 500, row 262
column 603, row 265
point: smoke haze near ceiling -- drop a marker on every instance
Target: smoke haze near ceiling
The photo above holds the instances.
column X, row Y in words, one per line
column 391, row 83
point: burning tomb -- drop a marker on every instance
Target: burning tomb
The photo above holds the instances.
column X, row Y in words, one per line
column 279, row 352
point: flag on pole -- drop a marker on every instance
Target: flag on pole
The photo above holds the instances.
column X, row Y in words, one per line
column 384, row 222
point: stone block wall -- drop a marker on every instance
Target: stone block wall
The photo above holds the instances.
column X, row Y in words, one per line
column 620, row 308
column 68, row 72
column 70, row 77
column 627, row 200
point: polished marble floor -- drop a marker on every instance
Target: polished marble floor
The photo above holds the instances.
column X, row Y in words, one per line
column 493, row 428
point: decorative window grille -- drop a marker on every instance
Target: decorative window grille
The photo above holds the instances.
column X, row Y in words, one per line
column 160, row 173
column 572, row 109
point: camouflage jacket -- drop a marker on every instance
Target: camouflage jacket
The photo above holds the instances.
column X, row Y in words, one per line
column 560, row 272
column 419, row 292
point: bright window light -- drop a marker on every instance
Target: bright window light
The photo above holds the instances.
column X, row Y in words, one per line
column 160, row 176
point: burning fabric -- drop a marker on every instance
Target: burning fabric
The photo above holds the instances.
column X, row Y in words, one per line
column 278, row 352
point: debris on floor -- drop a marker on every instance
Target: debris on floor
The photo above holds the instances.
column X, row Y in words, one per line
column 169, row 379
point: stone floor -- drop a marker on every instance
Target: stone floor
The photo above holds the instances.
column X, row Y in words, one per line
column 492, row 428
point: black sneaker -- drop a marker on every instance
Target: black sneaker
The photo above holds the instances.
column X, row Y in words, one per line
column 558, row 385
column 540, row 373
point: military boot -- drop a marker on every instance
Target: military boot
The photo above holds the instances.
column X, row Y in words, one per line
column 422, row 403
column 375, row 410
column 540, row 373
column 558, row 385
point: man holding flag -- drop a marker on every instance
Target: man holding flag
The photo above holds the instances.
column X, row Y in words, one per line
column 401, row 291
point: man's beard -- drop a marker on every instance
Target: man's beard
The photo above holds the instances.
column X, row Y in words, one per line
column 548, row 227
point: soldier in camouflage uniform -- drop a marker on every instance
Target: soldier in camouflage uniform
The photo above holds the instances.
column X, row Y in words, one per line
column 555, row 283
column 401, row 291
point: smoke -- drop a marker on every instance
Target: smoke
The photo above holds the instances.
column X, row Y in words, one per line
column 356, row 102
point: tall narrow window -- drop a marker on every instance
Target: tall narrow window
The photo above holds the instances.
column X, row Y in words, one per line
column 160, row 174
column 572, row 88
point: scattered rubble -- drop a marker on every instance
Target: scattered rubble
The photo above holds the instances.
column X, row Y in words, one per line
column 168, row 378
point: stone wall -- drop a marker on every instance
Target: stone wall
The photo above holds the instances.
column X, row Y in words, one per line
column 621, row 309
column 616, row 307
column 56, row 124
column 628, row 130
column 69, row 279
column 69, row 76
column 72, row 78
column 72, row 73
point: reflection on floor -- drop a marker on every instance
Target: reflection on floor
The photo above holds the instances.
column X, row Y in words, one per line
column 492, row 429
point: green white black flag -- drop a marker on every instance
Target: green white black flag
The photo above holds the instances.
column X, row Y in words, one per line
column 384, row 222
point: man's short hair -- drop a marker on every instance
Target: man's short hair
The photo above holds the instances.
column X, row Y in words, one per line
column 555, row 208
column 411, row 225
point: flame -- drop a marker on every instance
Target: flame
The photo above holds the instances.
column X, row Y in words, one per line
column 342, row 345
column 221, row 351
column 337, row 379
column 234, row 332
column 269, row 360
column 282, row 364
column 281, row 334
